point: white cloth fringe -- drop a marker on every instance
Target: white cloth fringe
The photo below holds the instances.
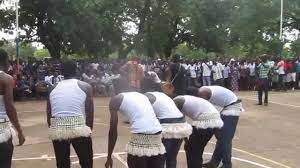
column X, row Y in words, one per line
column 5, row 132
column 233, row 110
column 145, row 145
column 208, row 120
column 176, row 130
column 68, row 128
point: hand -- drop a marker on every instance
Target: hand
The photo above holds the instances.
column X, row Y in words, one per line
column 109, row 163
column 21, row 138
column 186, row 146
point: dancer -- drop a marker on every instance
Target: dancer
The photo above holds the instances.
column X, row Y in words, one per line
column 206, row 120
column 174, row 126
column 145, row 148
column 232, row 107
column 8, row 114
column 68, row 123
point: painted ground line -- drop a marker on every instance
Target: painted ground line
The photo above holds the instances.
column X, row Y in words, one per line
column 282, row 104
column 257, row 156
column 117, row 156
column 236, row 149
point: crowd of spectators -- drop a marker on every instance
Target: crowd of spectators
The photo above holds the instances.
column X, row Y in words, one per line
column 33, row 78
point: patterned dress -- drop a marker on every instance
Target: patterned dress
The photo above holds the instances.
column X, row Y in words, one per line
column 234, row 78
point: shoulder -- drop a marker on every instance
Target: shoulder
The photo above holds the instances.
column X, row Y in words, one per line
column 87, row 88
column 115, row 102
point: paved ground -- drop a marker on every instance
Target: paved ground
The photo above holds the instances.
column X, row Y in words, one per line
column 267, row 137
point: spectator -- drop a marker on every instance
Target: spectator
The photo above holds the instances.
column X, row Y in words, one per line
column 206, row 73
column 264, row 69
column 234, row 69
column 217, row 70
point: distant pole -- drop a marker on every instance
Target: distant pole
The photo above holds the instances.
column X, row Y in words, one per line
column 17, row 34
column 281, row 21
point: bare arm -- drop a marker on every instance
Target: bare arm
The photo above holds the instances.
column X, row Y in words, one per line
column 10, row 108
column 113, row 130
column 89, row 103
column 151, row 97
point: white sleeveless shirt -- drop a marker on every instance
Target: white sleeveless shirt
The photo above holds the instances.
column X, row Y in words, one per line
column 67, row 99
column 164, row 107
column 3, row 113
column 138, row 110
column 221, row 96
column 193, row 107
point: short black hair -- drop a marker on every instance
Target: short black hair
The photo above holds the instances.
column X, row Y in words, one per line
column 3, row 56
column 193, row 91
column 176, row 58
column 69, row 69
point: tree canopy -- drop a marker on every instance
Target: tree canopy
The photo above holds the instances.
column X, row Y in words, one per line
column 99, row 28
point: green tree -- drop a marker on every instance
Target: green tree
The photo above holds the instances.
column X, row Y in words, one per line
column 42, row 54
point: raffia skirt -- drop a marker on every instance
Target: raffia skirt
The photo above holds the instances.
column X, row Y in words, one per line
column 145, row 145
column 5, row 132
column 65, row 128
column 176, row 130
column 208, row 120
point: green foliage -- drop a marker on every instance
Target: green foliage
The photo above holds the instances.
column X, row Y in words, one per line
column 25, row 50
column 295, row 47
column 189, row 53
column 42, row 54
column 101, row 28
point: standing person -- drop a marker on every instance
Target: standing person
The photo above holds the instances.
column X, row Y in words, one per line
column 263, row 83
column 291, row 73
column 68, row 123
column 145, row 148
column 133, row 71
column 193, row 74
column 298, row 73
column 252, row 74
column 231, row 109
column 281, row 72
column 176, row 74
column 226, row 75
column 174, row 126
column 8, row 114
column 244, row 74
column 217, row 70
column 206, row 73
column 234, row 69
column 206, row 120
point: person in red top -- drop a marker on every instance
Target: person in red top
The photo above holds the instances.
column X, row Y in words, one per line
column 291, row 73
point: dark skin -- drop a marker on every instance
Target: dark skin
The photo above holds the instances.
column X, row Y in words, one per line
column 179, row 101
column 204, row 93
column 114, row 106
column 6, row 89
column 89, row 104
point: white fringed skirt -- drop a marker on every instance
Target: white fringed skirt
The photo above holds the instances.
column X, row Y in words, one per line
column 65, row 128
column 176, row 130
column 208, row 120
column 145, row 145
column 5, row 132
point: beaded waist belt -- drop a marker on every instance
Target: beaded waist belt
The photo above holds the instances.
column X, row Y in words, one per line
column 145, row 145
column 64, row 128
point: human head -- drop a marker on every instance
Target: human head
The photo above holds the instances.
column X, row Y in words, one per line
column 4, row 60
column 69, row 69
column 176, row 58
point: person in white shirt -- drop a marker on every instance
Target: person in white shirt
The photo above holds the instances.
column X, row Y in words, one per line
column 174, row 126
column 70, row 116
column 205, row 121
column 231, row 108
column 252, row 74
column 226, row 75
column 206, row 73
column 193, row 75
column 282, row 75
column 145, row 148
column 217, row 70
